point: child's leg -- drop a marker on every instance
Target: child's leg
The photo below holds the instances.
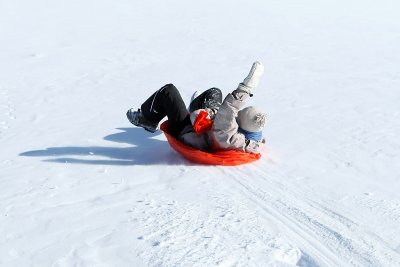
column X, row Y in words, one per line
column 167, row 101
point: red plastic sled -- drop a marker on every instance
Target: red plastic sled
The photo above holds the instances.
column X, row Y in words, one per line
column 226, row 157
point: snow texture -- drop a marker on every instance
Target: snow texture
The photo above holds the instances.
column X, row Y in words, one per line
column 80, row 186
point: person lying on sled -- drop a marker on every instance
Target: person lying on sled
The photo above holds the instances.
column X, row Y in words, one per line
column 210, row 124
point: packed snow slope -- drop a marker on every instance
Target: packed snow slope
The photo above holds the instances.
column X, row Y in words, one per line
column 80, row 186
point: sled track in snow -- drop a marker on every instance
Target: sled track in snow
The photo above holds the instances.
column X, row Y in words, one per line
column 328, row 237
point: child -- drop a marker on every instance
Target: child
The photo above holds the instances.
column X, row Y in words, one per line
column 232, row 127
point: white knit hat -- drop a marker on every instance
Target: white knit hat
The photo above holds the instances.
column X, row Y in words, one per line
column 251, row 119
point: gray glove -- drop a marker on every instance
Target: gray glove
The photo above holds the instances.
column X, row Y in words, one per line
column 254, row 146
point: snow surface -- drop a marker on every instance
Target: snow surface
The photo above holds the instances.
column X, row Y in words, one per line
column 79, row 186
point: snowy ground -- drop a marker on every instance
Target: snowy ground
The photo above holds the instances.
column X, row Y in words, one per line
column 79, row 186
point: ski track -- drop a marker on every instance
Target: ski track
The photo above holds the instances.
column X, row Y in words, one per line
column 332, row 238
column 235, row 226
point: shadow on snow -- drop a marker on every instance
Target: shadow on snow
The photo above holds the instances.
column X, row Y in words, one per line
column 145, row 151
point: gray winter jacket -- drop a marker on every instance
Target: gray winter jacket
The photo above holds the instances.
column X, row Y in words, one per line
column 224, row 134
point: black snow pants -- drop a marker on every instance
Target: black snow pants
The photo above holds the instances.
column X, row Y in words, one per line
column 167, row 101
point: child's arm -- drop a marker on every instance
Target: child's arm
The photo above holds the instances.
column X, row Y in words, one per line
column 225, row 131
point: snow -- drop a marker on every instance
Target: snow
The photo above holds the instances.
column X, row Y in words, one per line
column 80, row 186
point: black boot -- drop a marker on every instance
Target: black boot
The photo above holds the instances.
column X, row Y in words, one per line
column 210, row 99
column 137, row 119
